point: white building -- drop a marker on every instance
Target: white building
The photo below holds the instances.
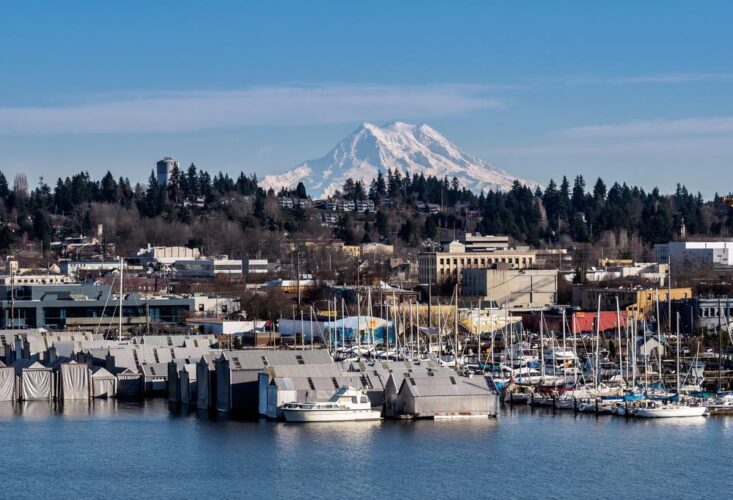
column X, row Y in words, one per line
column 208, row 268
column 256, row 266
column 74, row 268
column 166, row 255
column 656, row 273
column 691, row 254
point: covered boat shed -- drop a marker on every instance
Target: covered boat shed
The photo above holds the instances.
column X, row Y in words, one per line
column 36, row 381
column 299, row 384
column 237, row 374
column 74, row 381
column 8, row 384
column 104, row 384
column 440, row 396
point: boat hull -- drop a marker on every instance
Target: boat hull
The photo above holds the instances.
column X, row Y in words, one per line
column 683, row 411
column 300, row 415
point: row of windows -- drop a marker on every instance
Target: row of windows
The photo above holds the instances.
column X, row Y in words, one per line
column 484, row 261
column 713, row 312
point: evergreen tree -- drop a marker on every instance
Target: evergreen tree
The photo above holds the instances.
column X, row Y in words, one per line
column 152, row 203
column 430, row 229
column 599, row 190
column 174, row 185
column 382, row 223
column 108, row 191
column 4, row 187
column 359, row 193
column 407, row 231
column 192, row 182
column 578, row 199
column 348, row 189
column 300, row 191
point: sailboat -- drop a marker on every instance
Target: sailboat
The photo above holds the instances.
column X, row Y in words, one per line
column 665, row 409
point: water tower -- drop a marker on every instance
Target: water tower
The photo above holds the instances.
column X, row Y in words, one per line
column 164, row 168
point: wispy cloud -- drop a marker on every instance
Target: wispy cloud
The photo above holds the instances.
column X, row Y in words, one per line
column 686, row 127
column 659, row 78
column 287, row 105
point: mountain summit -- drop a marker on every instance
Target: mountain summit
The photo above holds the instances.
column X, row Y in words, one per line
column 413, row 149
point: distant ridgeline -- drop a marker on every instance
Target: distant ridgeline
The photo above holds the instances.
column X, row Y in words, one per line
column 190, row 206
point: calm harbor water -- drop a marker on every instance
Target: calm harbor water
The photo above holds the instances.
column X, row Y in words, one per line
column 148, row 449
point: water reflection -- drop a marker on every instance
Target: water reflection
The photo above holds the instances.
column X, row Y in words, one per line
column 36, row 410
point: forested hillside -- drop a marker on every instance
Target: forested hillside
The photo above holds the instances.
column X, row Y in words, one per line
column 236, row 216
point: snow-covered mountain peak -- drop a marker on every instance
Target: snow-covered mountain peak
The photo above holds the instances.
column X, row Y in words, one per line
column 417, row 149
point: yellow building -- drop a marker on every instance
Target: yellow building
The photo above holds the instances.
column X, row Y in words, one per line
column 646, row 300
column 353, row 250
column 638, row 303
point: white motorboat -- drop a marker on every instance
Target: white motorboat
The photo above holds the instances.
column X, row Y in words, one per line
column 657, row 409
column 722, row 405
column 347, row 405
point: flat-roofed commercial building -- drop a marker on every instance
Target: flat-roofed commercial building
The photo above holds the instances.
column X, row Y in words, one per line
column 55, row 301
column 441, row 267
column 695, row 254
column 514, row 288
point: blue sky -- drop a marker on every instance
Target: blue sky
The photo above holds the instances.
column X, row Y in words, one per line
column 631, row 91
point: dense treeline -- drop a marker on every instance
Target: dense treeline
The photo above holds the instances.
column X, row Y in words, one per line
column 575, row 212
column 236, row 215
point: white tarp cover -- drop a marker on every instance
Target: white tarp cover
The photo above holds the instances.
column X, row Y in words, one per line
column 74, row 381
column 7, row 384
column 36, row 383
column 104, row 384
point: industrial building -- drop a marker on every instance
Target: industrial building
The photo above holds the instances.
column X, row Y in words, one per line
column 512, row 288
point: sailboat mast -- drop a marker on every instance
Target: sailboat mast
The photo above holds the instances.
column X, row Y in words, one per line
column 542, row 348
column 417, row 330
column 122, row 272
column 478, row 336
column 455, row 328
column 598, row 343
column 720, row 346
column 678, row 356
column 659, row 337
column 618, row 331
column 564, row 350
